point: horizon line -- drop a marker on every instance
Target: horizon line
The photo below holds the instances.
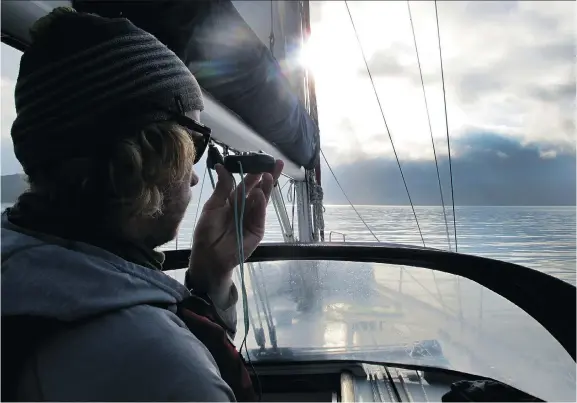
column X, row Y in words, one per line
column 421, row 205
column 456, row 205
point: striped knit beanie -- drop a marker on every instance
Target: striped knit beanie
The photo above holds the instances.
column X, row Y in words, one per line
column 86, row 80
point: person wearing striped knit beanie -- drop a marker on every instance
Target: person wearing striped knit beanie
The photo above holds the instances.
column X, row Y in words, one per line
column 107, row 131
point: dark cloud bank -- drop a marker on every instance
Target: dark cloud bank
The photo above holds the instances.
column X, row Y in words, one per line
column 490, row 170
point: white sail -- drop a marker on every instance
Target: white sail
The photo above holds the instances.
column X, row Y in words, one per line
column 18, row 16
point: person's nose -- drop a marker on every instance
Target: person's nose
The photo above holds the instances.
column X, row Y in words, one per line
column 194, row 178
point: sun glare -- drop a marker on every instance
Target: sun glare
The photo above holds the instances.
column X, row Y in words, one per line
column 349, row 113
column 310, row 56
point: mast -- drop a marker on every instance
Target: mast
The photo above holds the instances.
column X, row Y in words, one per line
column 308, row 191
column 291, row 19
column 316, row 191
column 304, row 219
column 309, row 194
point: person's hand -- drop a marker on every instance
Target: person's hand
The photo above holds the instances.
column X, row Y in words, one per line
column 215, row 249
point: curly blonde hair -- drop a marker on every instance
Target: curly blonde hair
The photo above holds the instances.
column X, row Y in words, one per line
column 131, row 181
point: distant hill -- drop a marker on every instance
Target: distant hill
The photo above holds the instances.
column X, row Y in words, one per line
column 12, row 186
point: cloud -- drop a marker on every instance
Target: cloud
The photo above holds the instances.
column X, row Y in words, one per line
column 509, row 68
column 547, row 154
column 481, row 176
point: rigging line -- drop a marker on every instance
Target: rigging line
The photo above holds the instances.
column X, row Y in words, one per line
column 251, row 317
column 347, row 197
column 402, row 268
column 198, row 205
column 262, row 294
column 458, row 285
column 446, row 123
column 281, row 195
column 429, row 121
column 266, row 300
column 256, row 292
column 385, row 121
column 271, row 36
column 290, row 192
column 239, row 238
column 422, row 386
column 292, row 198
column 285, row 209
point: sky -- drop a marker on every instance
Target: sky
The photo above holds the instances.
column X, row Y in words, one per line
column 509, row 71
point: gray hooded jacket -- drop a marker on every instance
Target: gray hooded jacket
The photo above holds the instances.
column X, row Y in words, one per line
column 132, row 350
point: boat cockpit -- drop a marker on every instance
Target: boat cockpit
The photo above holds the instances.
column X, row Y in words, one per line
column 393, row 323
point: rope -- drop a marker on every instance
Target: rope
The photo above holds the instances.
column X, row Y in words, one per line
column 318, row 210
column 253, row 281
column 450, row 164
column 265, row 292
column 240, row 243
column 347, row 197
column 446, row 123
column 251, row 317
column 290, row 194
column 271, row 36
column 317, row 194
column 430, row 127
column 238, row 273
column 260, row 288
column 316, row 199
column 284, row 207
column 385, row 121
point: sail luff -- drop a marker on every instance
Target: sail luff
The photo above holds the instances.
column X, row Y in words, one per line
column 316, row 188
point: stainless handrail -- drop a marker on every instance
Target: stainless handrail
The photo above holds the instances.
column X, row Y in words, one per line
column 336, row 232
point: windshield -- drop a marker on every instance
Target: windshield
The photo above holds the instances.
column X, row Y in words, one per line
column 399, row 314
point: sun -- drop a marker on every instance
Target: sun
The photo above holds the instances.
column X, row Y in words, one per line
column 311, row 56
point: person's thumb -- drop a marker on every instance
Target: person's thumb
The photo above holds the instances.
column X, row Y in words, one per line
column 222, row 189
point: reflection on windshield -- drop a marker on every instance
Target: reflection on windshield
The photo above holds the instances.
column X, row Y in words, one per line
column 307, row 310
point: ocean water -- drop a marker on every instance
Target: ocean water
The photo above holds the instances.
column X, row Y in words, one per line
column 542, row 238
column 369, row 310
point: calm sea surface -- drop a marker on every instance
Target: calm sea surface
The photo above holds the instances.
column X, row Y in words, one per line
column 367, row 306
column 542, row 238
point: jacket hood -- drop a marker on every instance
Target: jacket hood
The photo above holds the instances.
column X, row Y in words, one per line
column 52, row 277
